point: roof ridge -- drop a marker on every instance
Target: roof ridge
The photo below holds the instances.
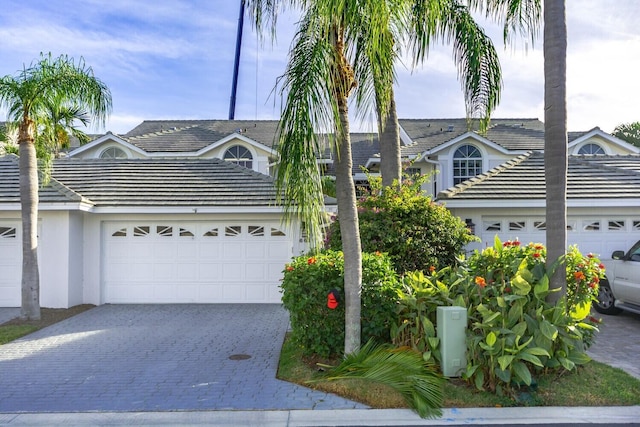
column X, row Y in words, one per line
column 161, row 132
column 510, row 164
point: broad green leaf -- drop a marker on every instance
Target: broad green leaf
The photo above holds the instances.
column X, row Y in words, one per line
column 520, row 328
column 515, row 313
column 542, row 288
column 522, row 372
column 501, row 302
column 566, row 363
column 434, row 342
column 505, row 361
column 520, row 285
column 531, row 358
column 579, row 357
column 491, row 339
column 548, row 330
column 581, row 311
column 538, row 351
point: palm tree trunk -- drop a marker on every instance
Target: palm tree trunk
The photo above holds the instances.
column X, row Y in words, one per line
column 390, row 166
column 555, row 145
column 350, row 231
column 29, row 204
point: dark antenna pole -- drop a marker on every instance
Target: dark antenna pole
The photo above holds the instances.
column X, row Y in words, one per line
column 236, row 65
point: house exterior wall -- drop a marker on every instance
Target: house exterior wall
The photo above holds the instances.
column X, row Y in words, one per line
column 599, row 232
column 54, row 242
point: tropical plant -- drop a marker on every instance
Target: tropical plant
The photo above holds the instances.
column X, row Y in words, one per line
column 402, row 369
column 513, row 330
column 317, row 327
column 402, row 221
column 629, row 132
column 26, row 97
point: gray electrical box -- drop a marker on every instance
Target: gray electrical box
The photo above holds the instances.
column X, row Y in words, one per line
column 451, row 329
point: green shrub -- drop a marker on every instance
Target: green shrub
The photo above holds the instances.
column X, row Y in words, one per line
column 416, row 232
column 318, row 329
column 513, row 332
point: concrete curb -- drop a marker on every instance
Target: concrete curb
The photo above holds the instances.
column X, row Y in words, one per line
column 349, row 417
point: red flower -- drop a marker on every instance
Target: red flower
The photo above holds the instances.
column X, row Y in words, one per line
column 311, row 260
column 481, row 282
column 579, row 275
column 601, row 266
column 538, row 247
column 589, row 255
column 289, row 268
column 378, row 253
column 432, row 269
column 507, row 289
column 536, row 255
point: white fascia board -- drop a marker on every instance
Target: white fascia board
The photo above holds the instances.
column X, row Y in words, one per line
column 233, row 136
column 492, row 203
column 471, row 135
column 538, row 203
column 405, row 139
column 372, row 161
column 73, row 206
column 105, row 139
column 186, row 209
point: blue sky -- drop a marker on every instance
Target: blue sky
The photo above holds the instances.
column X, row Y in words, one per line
column 173, row 59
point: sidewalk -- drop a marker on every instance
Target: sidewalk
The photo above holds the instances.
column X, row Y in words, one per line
column 353, row 417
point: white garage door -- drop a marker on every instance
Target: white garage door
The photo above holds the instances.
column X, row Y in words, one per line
column 10, row 264
column 194, row 262
column 598, row 235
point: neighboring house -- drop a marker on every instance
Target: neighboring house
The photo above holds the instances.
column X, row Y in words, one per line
column 603, row 201
column 185, row 210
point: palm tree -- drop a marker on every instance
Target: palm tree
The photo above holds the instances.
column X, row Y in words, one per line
column 26, row 97
column 316, row 85
column 555, row 137
column 524, row 15
column 446, row 21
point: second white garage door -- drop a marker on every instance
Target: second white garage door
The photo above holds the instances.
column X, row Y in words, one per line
column 193, row 262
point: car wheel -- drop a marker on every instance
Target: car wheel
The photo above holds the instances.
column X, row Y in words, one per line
column 606, row 300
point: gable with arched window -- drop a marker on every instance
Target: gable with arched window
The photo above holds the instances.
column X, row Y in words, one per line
column 467, row 163
column 239, row 155
column 113, row 152
column 591, row 149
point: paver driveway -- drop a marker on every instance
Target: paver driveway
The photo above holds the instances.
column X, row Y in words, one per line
column 155, row 358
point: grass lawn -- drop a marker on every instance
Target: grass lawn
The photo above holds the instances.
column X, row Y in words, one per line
column 594, row 384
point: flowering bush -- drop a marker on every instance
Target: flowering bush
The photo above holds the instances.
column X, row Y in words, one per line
column 513, row 331
column 318, row 329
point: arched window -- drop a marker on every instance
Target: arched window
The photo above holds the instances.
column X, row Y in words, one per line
column 239, row 155
column 467, row 163
column 113, row 153
column 591, row 149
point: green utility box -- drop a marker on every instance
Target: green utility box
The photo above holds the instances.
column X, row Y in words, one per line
column 452, row 326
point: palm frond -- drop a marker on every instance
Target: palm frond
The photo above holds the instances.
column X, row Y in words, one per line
column 402, row 369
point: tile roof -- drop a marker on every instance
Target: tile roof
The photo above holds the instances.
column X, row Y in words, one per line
column 512, row 134
column 54, row 192
column 143, row 182
column 165, row 182
column 589, row 177
column 193, row 135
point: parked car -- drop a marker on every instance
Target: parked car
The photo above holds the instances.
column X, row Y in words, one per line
column 620, row 290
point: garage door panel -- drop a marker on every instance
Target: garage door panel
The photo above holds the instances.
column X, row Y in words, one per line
column 203, row 262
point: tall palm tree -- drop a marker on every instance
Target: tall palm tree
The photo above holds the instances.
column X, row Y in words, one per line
column 446, row 21
column 555, row 137
column 26, row 97
column 524, row 15
column 317, row 84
